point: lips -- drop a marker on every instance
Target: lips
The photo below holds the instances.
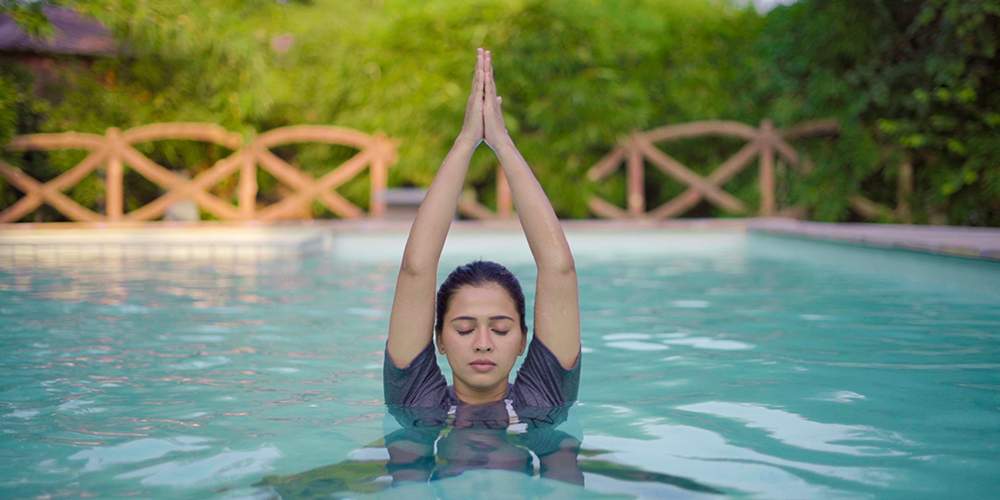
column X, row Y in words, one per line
column 482, row 365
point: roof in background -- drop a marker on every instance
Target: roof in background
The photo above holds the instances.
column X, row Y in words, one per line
column 72, row 34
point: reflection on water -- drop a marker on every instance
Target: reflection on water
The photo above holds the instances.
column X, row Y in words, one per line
column 694, row 452
column 795, row 430
column 476, row 449
column 224, row 466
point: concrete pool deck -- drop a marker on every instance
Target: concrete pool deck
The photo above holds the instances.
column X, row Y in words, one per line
column 27, row 242
column 973, row 242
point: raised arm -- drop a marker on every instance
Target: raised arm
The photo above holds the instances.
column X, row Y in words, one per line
column 411, row 324
column 557, row 308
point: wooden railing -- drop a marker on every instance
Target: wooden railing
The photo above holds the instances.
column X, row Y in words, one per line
column 901, row 214
column 115, row 151
column 763, row 144
column 469, row 206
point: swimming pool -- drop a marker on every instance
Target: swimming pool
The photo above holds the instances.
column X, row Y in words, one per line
column 715, row 363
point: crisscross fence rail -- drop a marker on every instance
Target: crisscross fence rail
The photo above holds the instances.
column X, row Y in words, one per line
column 469, row 206
column 763, row 144
column 901, row 213
column 115, row 151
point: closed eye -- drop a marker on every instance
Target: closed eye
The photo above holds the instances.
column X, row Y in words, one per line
column 464, row 332
column 501, row 332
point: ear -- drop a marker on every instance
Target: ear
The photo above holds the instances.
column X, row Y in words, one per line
column 524, row 343
column 440, row 345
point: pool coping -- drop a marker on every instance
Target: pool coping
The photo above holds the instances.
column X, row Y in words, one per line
column 264, row 240
column 957, row 241
column 30, row 243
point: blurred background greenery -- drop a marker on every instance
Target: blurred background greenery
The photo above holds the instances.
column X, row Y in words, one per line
column 907, row 81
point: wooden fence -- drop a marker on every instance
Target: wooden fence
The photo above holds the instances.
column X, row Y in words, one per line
column 115, row 151
column 901, row 213
column 470, row 207
column 766, row 144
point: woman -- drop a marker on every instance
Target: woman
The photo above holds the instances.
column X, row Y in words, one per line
column 480, row 325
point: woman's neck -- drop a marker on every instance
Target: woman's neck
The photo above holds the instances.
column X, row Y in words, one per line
column 473, row 396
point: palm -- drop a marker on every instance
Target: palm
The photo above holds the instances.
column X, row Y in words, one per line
column 483, row 116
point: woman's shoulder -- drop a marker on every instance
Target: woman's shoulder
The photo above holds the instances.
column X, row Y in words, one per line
column 419, row 384
column 542, row 381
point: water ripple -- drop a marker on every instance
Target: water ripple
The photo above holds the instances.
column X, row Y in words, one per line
column 228, row 465
column 137, row 451
column 795, row 430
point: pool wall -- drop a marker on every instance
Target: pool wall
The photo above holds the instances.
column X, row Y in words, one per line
column 380, row 239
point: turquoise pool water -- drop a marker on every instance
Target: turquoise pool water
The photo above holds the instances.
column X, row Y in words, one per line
column 715, row 363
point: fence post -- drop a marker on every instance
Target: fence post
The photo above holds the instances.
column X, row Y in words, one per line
column 248, row 179
column 766, row 168
column 114, row 177
column 379, row 176
column 636, row 184
column 504, row 202
column 904, row 188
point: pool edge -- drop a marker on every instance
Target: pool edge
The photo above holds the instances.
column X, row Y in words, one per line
column 952, row 241
column 304, row 237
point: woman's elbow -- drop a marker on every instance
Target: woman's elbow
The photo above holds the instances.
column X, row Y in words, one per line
column 562, row 267
column 413, row 267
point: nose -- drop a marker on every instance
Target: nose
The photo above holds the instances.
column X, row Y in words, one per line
column 483, row 342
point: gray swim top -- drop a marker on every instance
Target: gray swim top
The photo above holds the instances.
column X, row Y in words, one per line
column 541, row 381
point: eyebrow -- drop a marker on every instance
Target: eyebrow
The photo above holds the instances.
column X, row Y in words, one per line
column 492, row 318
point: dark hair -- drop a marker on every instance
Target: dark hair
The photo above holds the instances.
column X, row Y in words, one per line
column 478, row 273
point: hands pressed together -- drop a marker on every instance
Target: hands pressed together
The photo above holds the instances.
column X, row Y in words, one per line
column 483, row 117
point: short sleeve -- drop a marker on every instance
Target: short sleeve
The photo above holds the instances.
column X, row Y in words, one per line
column 420, row 384
column 542, row 381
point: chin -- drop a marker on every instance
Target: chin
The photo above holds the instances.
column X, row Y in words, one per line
column 485, row 380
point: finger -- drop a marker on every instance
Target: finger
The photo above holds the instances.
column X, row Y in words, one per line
column 491, row 89
column 489, row 71
column 480, row 89
column 477, row 75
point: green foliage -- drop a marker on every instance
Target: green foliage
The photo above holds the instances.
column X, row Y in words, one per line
column 575, row 76
column 912, row 80
column 20, row 112
column 9, row 99
column 28, row 15
column 907, row 80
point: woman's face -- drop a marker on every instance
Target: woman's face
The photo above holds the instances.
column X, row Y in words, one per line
column 482, row 337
